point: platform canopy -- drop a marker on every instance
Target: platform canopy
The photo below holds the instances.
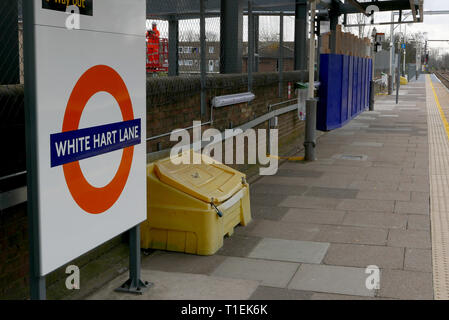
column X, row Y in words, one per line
column 165, row 9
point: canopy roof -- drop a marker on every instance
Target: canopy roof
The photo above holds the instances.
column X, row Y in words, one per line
column 166, row 9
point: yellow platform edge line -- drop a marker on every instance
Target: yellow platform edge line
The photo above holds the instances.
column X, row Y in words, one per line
column 440, row 109
column 288, row 158
column 439, row 267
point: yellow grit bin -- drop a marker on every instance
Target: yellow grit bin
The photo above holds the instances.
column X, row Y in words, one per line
column 191, row 207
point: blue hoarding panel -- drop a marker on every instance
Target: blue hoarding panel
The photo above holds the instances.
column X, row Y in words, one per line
column 362, row 83
column 350, row 85
column 345, row 110
column 359, row 86
column 329, row 106
column 354, row 87
column 344, row 90
column 370, row 76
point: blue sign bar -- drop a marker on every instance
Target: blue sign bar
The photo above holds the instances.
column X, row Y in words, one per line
column 71, row 146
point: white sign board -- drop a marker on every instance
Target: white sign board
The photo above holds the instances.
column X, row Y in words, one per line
column 90, row 126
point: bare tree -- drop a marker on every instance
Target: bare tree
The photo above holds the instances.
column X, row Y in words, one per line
column 361, row 20
column 189, row 35
column 212, row 36
column 266, row 35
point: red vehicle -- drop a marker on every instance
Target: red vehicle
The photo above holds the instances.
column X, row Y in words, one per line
column 157, row 51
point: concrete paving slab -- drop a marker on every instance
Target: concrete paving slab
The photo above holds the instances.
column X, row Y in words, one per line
column 181, row 262
column 310, row 202
column 404, row 207
column 384, row 195
column 418, row 222
column 335, row 193
column 382, row 177
column 268, row 273
column 180, row 286
column 364, row 255
column 352, row 235
column 262, row 200
column 333, row 296
column 383, row 220
column 368, row 205
column 410, row 186
column 281, row 230
column 289, row 250
column 331, row 279
column 298, row 173
column 408, row 285
column 268, row 213
column 367, row 144
column 420, row 196
column 262, row 188
column 270, row 293
column 409, row 239
column 314, row 216
column 418, row 260
column 238, row 246
column 374, row 185
column 324, row 168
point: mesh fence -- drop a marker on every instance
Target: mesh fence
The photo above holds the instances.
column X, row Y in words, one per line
column 266, row 29
column 12, row 119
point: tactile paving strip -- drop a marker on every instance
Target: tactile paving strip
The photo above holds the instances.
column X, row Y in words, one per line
column 438, row 129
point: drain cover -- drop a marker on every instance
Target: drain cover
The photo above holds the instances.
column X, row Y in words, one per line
column 351, row 157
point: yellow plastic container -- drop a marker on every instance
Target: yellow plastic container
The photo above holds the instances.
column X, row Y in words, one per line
column 185, row 203
column 403, row 81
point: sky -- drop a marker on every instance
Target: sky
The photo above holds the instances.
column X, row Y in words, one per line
column 436, row 26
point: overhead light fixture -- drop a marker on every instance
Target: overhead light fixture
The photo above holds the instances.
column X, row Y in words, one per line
column 231, row 99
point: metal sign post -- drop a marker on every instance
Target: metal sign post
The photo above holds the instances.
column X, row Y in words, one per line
column 86, row 131
column 37, row 282
column 398, row 76
column 311, row 104
column 134, row 284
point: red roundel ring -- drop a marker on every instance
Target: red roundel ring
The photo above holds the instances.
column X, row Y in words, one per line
column 99, row 78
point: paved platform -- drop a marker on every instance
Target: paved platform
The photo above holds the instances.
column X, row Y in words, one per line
column 318, row 226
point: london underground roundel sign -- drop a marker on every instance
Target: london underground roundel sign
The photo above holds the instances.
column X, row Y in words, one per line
column 72, row 144
column 88, row 131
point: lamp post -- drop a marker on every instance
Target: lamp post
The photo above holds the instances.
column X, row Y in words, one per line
column 311, row 103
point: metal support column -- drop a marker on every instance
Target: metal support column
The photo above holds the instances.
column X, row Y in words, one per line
column 203, row 55
column 231, row 36
column 318, row 34
column 391, row 74
column 310, row 134
column 37, row 282
column 9, row 38
column 418, row 59
column 281, row 53
column 301, row 14
column 333, row 28
column 373, row 61
column 250, row 61
column 256, row 43
column 311, row 103
column 371, row 95
column 398, row 77
column 173, row 42
column 134, row 284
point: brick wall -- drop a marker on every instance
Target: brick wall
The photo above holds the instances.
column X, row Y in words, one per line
column 172, row 102
column 270, row 64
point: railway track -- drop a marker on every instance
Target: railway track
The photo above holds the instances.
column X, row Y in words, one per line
column 444, row 77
